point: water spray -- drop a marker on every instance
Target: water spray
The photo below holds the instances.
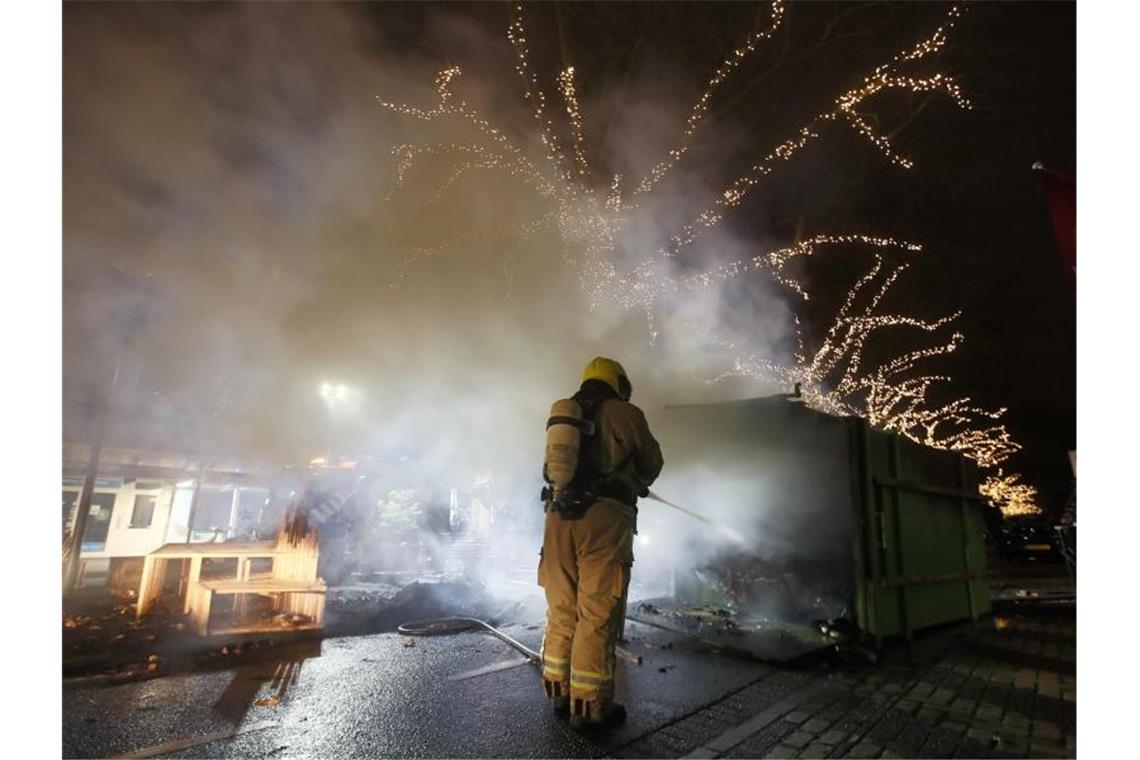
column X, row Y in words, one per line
column 729, row 532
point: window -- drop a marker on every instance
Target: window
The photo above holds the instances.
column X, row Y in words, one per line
column 98, row 522
column 251, row 503
column 143, row 512
column 211, row 514
column 70, row 499
column 270, row 516
column 176, row 527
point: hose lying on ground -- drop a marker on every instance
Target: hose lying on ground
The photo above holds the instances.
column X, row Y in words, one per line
column 448, row 625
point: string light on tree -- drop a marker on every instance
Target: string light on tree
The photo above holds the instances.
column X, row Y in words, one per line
column 701, row 107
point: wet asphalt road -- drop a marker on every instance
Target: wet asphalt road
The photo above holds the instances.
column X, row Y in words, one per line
column 373, row 696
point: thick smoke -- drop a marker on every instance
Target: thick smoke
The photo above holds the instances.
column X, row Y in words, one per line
column 232, row 164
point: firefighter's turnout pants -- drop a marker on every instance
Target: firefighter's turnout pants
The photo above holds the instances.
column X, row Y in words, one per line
column 584, row 569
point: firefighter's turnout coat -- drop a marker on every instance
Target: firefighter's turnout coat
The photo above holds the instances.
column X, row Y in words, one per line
column 585, row 562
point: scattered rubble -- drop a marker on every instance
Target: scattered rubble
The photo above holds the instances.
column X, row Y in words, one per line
column 291, row 619
column 102, row 637
column 741, row 582
column 627, row 655
column 852, row 645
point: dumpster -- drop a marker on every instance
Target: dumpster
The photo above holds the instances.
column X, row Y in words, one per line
column 838, row 519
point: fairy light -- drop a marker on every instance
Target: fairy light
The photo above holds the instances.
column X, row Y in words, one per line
column 613, row 202
column 458, row 172
column 701, row 107
column 735, row 193
column 1010, row 494
column 516, row 34
column 894, row 395
column 884, row 395
column 509, row 155
column 772, row 263
column 885, row 76
column 520, row 232
column 570, row 98
column 408, row 154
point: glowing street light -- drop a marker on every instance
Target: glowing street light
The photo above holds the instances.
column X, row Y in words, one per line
column 337, row 394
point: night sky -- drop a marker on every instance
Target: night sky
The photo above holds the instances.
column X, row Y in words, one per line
column 226, row 167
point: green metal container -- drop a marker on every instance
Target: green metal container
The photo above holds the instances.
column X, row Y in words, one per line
column 899, row 525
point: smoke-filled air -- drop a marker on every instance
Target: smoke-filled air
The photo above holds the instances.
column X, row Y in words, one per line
column 406, row 252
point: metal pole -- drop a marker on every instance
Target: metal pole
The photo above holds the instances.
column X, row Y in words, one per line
column 194, row 501
column 84, row 508
column 235, row 501
column 131, row 321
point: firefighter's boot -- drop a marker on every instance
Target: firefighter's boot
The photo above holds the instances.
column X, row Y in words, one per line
column 585, row 717
column 559, row 695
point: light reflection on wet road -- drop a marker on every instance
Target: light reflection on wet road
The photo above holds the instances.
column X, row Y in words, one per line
column 374, row 696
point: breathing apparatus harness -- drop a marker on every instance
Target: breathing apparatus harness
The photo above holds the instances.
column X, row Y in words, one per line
column 577, row 453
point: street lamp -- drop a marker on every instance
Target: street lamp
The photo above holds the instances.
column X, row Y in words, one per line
column 337, row 394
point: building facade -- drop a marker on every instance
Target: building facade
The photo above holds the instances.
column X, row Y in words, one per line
column 144, row 500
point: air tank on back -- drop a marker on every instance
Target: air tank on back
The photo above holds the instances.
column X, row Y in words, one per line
column 563, row 440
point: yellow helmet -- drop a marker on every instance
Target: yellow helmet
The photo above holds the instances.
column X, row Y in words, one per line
column 611, row 373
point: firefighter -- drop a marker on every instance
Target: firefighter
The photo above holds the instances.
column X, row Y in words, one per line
column 587, row 548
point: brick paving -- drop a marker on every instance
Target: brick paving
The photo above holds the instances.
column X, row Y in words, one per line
column 1003, row 690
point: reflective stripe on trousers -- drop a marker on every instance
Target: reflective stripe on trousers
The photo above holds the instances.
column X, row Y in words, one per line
column 584, row 570
column 555, row 668
column 588, row 681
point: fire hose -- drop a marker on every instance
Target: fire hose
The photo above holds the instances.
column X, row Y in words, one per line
column 449, row 625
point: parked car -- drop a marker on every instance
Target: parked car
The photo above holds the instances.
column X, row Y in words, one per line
column 1030, row 540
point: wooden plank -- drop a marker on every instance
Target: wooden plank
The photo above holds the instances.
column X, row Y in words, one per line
column 267, row 627
column 294, row 585
column 192, row 578
column 146, row 594
column 264, row 585
column 227, row 549
column 199, row 599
